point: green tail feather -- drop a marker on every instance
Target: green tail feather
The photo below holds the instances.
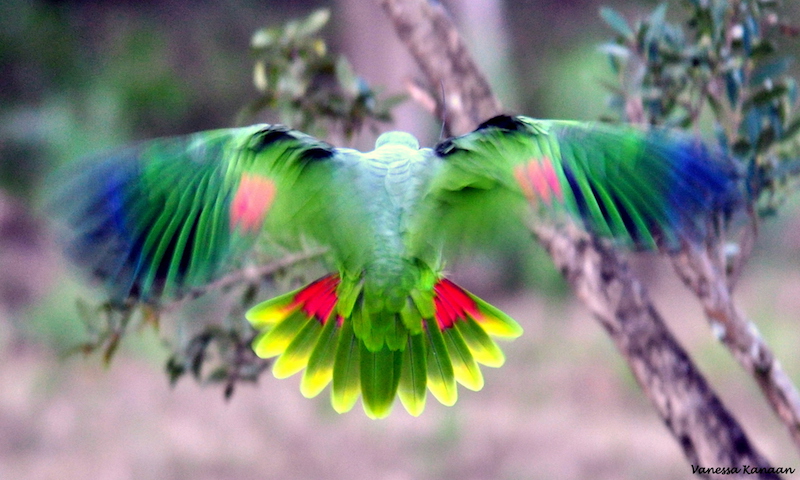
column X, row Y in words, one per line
column 319, row 372
column 346, row 385
column 441, row 379
column 413, row 376
column 380, row 375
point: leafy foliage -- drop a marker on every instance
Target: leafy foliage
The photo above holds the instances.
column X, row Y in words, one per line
column 311, row 89
column 231, row 353
column 722, row 60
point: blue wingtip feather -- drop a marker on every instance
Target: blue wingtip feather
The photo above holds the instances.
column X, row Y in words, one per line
column 702, row 182
column 92, row 206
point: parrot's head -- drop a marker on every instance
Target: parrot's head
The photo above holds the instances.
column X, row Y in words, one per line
column 397, row 138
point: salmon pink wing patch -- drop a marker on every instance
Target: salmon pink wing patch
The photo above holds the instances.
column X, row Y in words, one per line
column 251, row 202
column 538, row 177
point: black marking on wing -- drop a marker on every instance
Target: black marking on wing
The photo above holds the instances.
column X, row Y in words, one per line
column 312, row 150
column 503, row 122
column 506, row 123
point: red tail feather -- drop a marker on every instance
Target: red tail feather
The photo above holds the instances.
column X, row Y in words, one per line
column 319, row 298
column 452, row 303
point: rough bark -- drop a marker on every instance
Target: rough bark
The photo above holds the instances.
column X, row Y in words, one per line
column 705, row 430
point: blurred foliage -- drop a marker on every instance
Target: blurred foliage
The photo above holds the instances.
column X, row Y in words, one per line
column 312, row 89
column 74, row 84
column 230, row 353
column 724, row 60
column 106, row 324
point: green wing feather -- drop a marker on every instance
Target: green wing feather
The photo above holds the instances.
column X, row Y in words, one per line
column 171, row 213
column 643, row 188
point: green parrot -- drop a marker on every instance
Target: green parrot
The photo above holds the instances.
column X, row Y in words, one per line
column 157, row 218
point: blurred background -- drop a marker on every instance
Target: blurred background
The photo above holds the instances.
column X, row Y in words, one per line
column 80, row 77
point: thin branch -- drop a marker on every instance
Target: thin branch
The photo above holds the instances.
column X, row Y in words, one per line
column 707, row 433
column 251, row 275
column 702, row 271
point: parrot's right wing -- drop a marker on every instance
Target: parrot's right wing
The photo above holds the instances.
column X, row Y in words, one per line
column 163, row 215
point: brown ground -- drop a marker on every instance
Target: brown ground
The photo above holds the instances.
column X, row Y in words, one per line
column 564, row 406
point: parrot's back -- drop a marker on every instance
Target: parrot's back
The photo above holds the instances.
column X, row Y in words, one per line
column 390, row 182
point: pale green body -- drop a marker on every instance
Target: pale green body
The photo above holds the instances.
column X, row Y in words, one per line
column 388, row 189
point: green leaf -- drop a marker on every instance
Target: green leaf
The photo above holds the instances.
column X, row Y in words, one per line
column 765, row 140
column 765, row 96
column 263, row 38
column 392, row 101
column 792, row 129
column 762, row 49
column 218, row 375
column 314, row 22
column 615, row 50
column 346, row 76
column 657, row 20
column 733, row 83
column 770, row 70
column 175, row 370
column 616, row 22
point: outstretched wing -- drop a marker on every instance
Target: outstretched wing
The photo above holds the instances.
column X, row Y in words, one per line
column 644, row 188
column 166, row 214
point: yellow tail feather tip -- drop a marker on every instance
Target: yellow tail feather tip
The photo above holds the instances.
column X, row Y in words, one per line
column 413, row 404
column 313, row 385
column 285, row 366
column 469, row 379
column 261, row 318
column 345, row 403
column 265, row 347
column 498, row 328
column 490, row 359
column 446, row 396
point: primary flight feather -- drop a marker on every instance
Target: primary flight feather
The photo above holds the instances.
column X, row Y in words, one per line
column 157, row 218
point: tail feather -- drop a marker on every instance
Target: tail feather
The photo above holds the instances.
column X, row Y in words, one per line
column 413, row 376
column 441, row 378
column 380, row 376
column 319, row 372
column 298, row 352
column 346, row 371
column 465, row 368
column 446, row 333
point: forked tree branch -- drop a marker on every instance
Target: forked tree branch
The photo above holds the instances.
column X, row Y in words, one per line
column 705, row 430
column 702, row 270
column 428, row 33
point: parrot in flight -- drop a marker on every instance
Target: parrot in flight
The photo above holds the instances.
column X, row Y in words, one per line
column 169, row 214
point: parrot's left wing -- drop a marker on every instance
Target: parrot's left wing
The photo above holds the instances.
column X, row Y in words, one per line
column 646, row 189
